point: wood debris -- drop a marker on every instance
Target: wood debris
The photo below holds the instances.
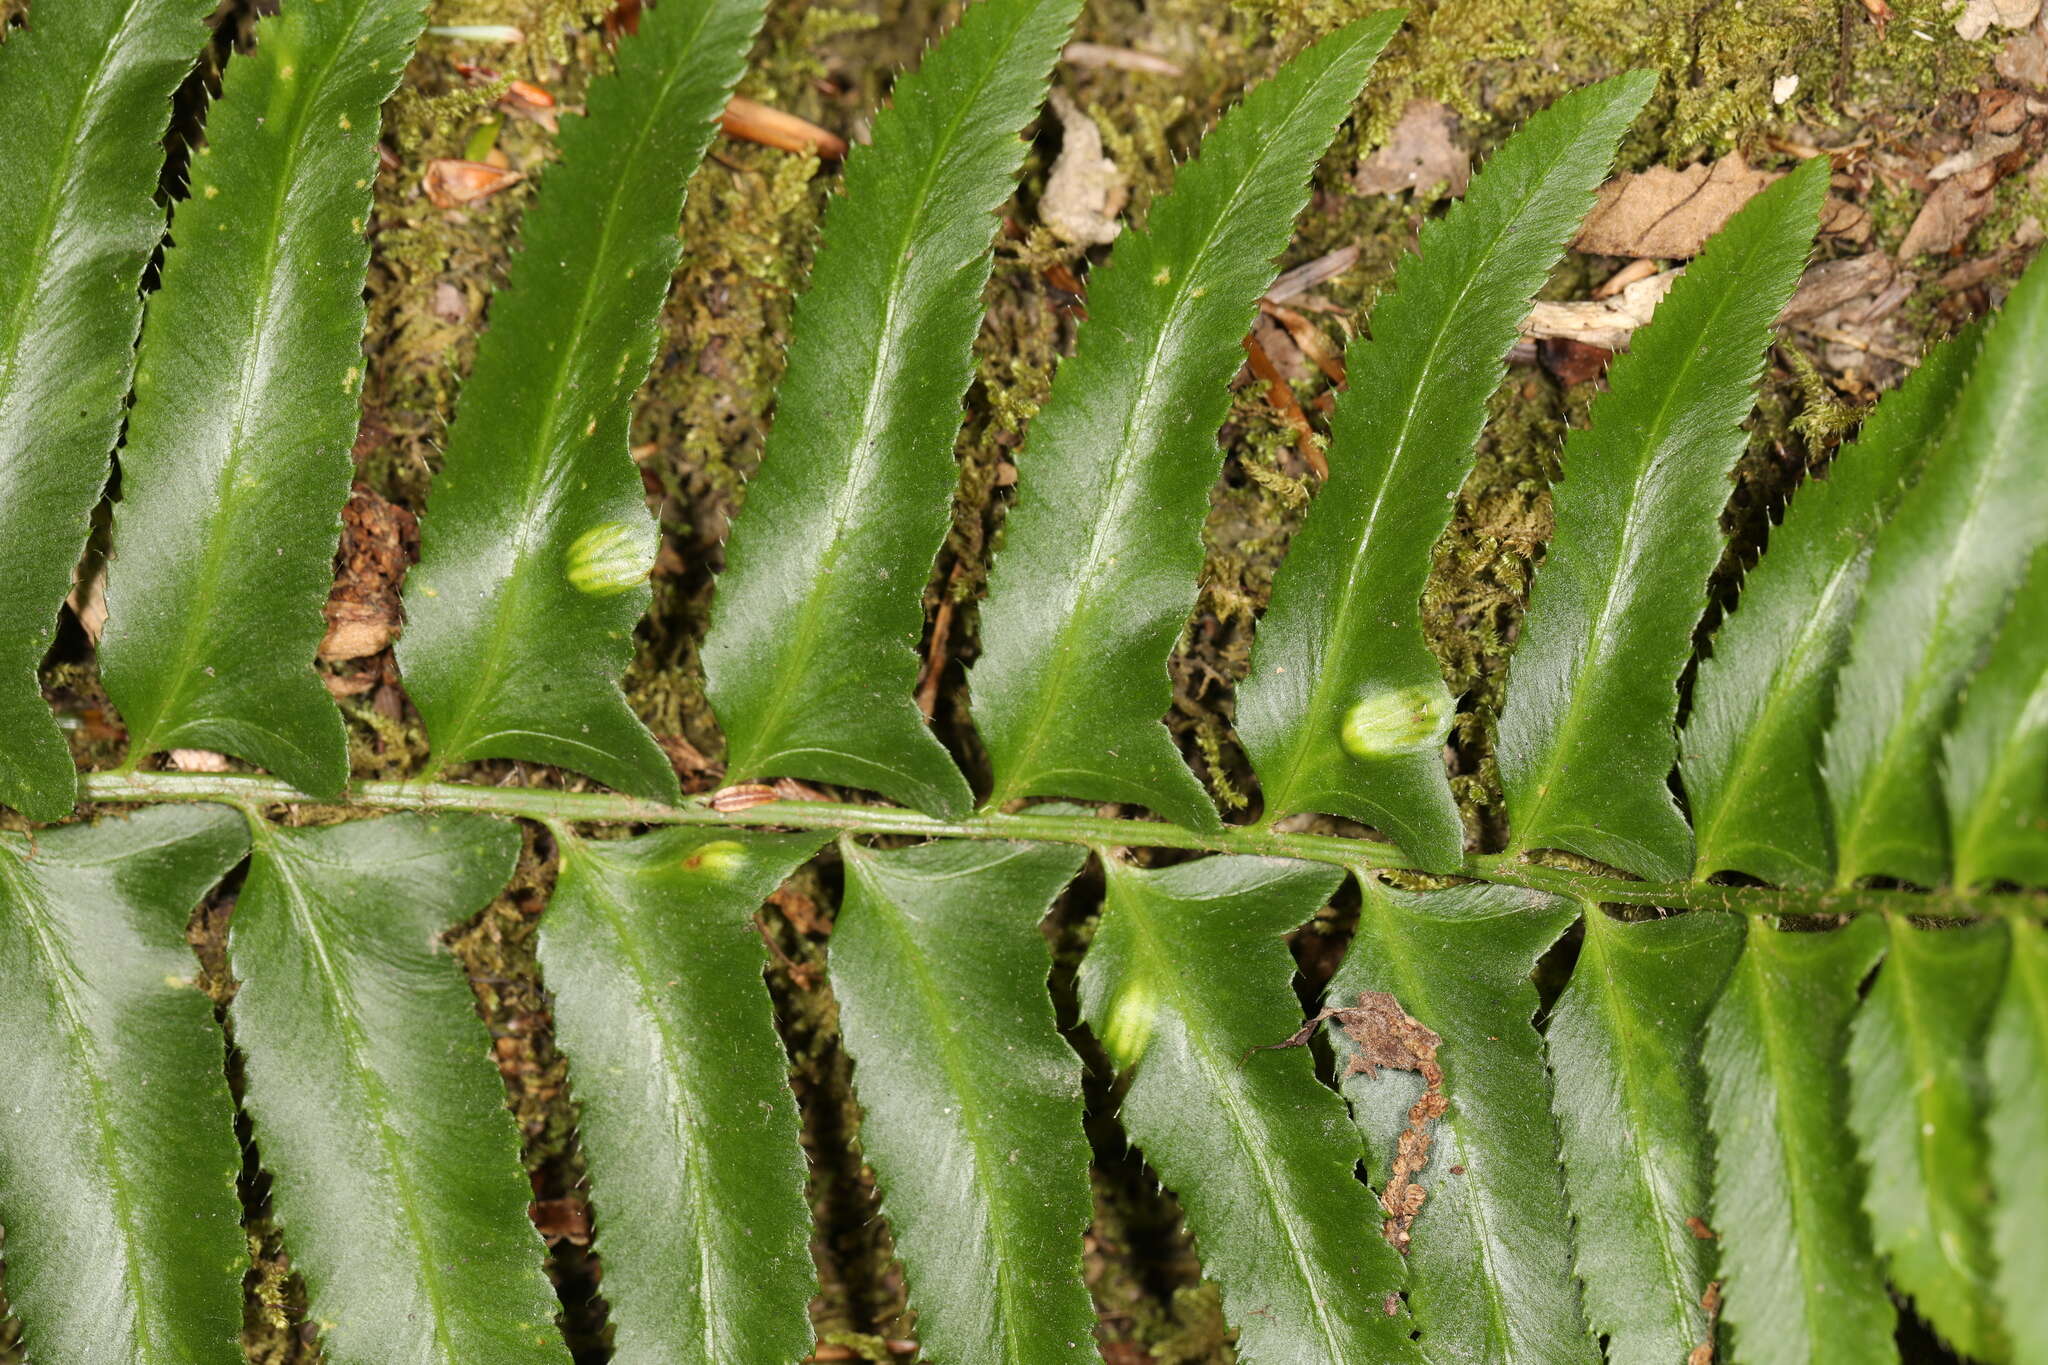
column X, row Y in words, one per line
column 1085, row 192
column 1304, row 277
column 1094, row 56
column 751, row 121
column 1421, row 153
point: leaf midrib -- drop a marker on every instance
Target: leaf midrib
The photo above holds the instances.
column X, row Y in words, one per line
column 1874, row 779
column 910, row 960
column 1062, row 651
column 887, row 344
column 369, row 1084
column 60, row 180
column 79, row 1035
column 485, row 688
column 1398, row 949
column 1747, row 766
column 684, row 1115
column 1663, row 1221
column 1564, row 736
column 1164, row 966
column 197, row 616
column 1281, row 802
column 1783, row 1041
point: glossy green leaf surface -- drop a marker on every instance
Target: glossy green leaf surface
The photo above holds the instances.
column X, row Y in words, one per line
column 1345, row 709
column 236, row 463
column 117, row 1135
column 1916, row 1087
column 377, row 1108
column 85, row 92
column 1751, row 751
column 970, row 1099
column 537, row 543
column 654, row 965
column 1996, row 769
column 1941, row 579
column 1188, row 971
column 812, row 655
column 1800, row 1284
column 2016, row 1068
column 1103, row 547
column 1586, row 738
column 1631, row 1112
column 1490, row 1266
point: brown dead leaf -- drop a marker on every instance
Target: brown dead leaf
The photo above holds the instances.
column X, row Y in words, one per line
column 1389, row 1037
column 1281, row 395
column 1666, row 213
column 1979, row 17
column 2024, row 60
column 1085, row 192
column 450, row 182
column 1308, row 339
column 801, row 912
column 562, row 1220
column 1420, row 154
column 1697, row 1226
column 1946, row 220
column 378, row 542
column 1572, row 362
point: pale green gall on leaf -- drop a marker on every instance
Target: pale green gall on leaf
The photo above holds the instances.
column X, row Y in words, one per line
column 1398, row 721
column 611, row 558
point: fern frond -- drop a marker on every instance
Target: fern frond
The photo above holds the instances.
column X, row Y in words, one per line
column 1586, row 738
column 1800, row 1282
column 85, row 92
column 1102, row 549
column 376, row 1107
column 2016, row 1125
column 537, row 543
column 1996, row 755
column 1187, row 973
column 237, row 463
column 1941, row 579
column 1344, row 710
column 1915, row 1085
column 1751, row 751
column 1631, row 1111
column 117, row 1142
column 697, row 1178
column 812, row 653
column 970, row 1100
column 1490, row 1265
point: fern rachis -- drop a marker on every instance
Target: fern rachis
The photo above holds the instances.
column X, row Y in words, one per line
column 1714, row 1054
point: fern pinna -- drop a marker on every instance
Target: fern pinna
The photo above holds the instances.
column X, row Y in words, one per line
column 1737, row 1044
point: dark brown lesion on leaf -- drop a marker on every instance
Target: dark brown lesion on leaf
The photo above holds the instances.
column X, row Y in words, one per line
column 1385, row 1035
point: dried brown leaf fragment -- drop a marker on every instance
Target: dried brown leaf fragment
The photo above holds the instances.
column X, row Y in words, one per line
column 1387, row 1037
